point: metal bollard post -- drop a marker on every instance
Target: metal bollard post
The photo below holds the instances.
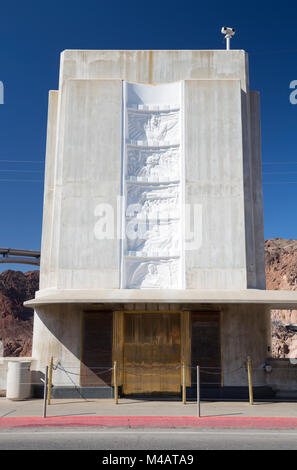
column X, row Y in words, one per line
column 184, row 397
column 198, row 392
column 249, row 367
column 50, row 379
column 115, row 383
column 45, row 381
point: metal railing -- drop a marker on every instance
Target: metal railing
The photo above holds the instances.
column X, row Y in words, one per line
column 53, row 374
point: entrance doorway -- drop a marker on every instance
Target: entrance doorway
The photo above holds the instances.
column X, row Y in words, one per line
column 206, row 348
column 96, row 349
column 150, row 348
column 152, row 353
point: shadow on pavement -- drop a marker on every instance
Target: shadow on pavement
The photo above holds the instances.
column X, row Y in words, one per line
column 73, row 414
column 71, row 402
column 7, row 413
column 226, row 414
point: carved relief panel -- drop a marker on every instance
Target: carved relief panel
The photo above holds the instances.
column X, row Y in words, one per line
column 152, row 186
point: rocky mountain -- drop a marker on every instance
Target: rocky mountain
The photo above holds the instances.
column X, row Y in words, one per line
column 281, row 273
column 16, row 321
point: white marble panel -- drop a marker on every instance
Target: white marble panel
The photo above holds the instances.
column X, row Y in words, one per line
column 150, row 238
column 152, row 245
column 151, row 164
column 154, row 127
column 153, row 273
column 157, row 201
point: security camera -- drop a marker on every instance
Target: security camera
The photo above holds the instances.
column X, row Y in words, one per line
column 228, row 31
column 267, row 367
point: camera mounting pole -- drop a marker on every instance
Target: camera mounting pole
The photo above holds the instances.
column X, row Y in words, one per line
column 228, row 32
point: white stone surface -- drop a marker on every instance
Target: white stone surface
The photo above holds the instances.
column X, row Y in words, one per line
column 214, row 179
column 244, row 332
column 153, row 165
column 154, row 66
column 214, row 118
column 86, row 164
column 152, row 249
column 57, row 332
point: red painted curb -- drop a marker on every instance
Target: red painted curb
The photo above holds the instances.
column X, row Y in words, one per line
column 152, row 421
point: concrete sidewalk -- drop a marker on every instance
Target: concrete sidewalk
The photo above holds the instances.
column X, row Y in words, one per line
column 148, row 413
column 144, row 407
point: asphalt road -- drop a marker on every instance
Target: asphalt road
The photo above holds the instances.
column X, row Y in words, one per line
column 145, row 439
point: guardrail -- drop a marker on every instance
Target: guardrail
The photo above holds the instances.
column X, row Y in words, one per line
column 11, row 255
column 54, row 373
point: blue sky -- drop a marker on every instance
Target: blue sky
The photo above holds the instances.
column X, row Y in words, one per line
column 32, row 35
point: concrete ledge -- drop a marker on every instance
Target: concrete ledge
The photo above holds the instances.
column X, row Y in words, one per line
column 271, row 298
column 74, row 392
column 230, row 392
column 85, row 392
column 206, row 393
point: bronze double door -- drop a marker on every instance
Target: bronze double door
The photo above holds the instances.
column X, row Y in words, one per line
column 156, row 344
column 151, row 353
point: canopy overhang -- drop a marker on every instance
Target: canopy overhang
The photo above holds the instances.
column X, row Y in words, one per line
column 274, row 299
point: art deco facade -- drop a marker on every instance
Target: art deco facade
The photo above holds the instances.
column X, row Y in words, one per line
column 152, row 242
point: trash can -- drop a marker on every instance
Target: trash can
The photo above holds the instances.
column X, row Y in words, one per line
column 18, row 380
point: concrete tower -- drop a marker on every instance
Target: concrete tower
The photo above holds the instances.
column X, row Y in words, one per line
column 152, row 240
